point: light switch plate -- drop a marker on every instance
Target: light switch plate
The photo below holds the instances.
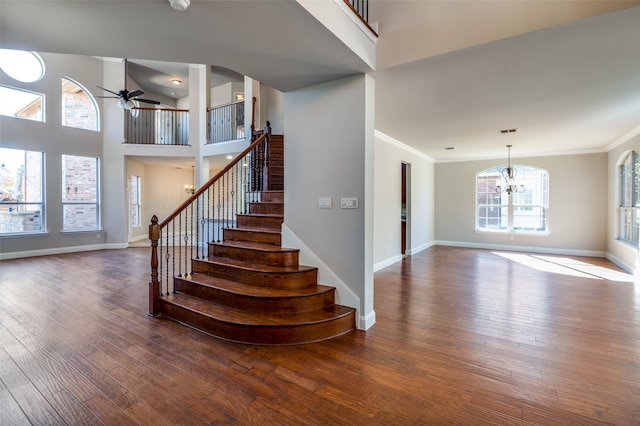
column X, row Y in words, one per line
column 348, row 203
column 324, row 203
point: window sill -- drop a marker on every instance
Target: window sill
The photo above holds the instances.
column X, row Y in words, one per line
column 24, row 234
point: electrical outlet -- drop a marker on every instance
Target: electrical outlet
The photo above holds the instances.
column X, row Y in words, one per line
column 348, row 203
column 324, row 203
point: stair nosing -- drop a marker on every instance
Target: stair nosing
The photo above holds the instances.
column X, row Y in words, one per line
column 259, row 292
column 241, row 319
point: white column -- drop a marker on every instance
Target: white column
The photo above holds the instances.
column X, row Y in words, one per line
column 199, row 94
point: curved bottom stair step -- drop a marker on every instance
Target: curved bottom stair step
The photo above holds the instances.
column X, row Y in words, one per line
column 258, row 328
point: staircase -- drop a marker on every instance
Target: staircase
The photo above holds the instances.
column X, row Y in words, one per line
column 252, row 290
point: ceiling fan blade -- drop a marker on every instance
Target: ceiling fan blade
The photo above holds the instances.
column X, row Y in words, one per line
column 107, row 97
column 134, row 93
column 148, row 101
column 107, row 90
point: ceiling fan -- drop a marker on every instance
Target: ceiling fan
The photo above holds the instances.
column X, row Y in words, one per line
column 127, row 99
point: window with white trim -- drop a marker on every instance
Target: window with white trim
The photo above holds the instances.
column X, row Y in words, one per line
column 512, row 212
column 80, row 193
column 19, row 103
column 134, row 201
column 629, row 175
column 21, row 192
column 79, row 108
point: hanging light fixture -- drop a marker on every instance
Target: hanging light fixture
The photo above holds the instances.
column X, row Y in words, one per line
column 509, row 175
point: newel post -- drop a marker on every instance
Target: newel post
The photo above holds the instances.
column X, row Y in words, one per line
column 154, row 285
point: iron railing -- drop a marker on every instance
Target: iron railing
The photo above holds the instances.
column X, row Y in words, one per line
column 186, row 233
column 225, row 122
column 157, row 126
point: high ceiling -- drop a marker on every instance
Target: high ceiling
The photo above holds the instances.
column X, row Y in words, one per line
column 565, row 74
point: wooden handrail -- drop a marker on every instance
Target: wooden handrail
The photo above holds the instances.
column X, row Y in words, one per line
column 160, row 109
column 204, row 187
column 364, row 21
column 224, row 105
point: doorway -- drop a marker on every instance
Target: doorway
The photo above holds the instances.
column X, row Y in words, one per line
column 404, row 217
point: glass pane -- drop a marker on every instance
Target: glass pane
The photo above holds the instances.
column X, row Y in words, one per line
column 20, row 65
column 529, row 218
column 80, row 179
column 21, row 104
column 80, row 217
column 78, row 107
column 20, row 218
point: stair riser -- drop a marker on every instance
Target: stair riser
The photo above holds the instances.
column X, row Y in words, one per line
column 273, row 197
column 260, row 335
column 266, row 208
column 260, row 222
column 300, row 279
column 272, row 305
column 278, row 258
column 253, row 236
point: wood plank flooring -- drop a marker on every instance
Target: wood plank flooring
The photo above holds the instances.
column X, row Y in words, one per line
column 468, row 337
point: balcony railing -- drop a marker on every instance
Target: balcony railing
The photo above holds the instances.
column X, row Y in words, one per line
column 225, row 122
column 157, row 126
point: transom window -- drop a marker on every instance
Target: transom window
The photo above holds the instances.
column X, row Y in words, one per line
column 516, row 212
column 26, row 67
column 79, row 108
column 630, row 198
column 20, row 103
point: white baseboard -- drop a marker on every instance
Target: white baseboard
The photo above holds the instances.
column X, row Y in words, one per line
column 365, row 322
column 418, row 249
column 381, row 265
column 617, row 261
column 47, row 252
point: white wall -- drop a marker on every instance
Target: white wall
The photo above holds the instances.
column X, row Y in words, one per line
column 577, row 215
column 272, row 108
column 621, row 253
column 329, row 153
column 54, row 140
column 389, row 155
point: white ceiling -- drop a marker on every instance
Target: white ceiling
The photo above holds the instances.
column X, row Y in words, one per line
column 565, row 74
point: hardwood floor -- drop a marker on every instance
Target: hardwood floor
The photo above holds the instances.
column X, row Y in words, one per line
column 463, row 336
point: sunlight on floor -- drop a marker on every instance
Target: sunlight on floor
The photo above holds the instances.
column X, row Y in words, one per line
column 567, row 266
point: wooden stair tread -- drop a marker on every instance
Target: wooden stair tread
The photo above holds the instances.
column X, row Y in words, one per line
column 251, row 266
column 253, row 290
column 254, row 229
column 255, row 319
column 257, row 246
column 267, row 215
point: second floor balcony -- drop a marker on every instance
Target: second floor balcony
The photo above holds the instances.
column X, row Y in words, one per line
column 163, row 126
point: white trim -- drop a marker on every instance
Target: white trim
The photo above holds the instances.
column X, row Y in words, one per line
column 386, row 138
column 418, row 249
column 388, row 262
column 624, row 138
column 56, row 250
column 525, row 155
column 344, row 294
column 365, row 323
column 504, row 247
column 620, row 263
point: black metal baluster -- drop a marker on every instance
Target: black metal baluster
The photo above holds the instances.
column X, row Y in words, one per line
column 219, row 216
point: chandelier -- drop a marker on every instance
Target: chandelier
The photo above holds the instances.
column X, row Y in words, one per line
column 509, row 175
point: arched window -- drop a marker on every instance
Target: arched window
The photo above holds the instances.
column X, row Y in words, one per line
column 499, row 210
column 629, row 174
column 26, row 67
column 79, row 108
